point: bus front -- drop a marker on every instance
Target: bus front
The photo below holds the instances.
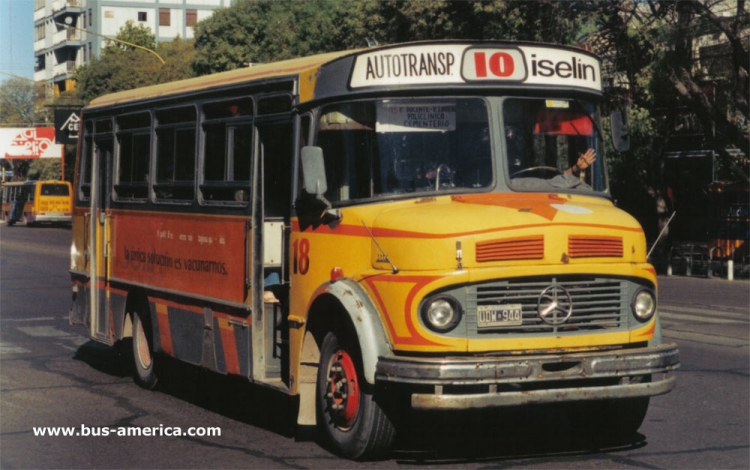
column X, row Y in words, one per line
column 467, row 205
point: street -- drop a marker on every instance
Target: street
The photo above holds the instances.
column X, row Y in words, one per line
column 51, row 375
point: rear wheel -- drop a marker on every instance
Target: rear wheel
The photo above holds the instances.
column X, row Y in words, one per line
column 143, row 351
column 350, row 420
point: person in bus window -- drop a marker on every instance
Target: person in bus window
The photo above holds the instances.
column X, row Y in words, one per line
column 585, row 160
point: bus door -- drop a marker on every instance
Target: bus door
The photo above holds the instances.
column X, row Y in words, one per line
column 100, row 239
column 272, row 210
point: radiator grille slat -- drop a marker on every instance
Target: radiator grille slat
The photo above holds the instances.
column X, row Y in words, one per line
column 598, row 304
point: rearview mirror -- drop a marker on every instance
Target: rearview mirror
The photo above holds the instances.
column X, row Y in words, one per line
column 313, row 171
column 311, row 205
column 620, row 130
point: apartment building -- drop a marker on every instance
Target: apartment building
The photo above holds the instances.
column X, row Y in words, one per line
column 68, row 33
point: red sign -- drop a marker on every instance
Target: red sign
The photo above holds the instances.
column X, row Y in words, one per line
column 28, row 143
column 202, row 256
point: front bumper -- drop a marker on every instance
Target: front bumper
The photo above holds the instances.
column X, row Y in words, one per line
column 495, row 381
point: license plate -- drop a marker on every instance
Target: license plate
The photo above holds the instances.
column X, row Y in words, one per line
column 489, row 316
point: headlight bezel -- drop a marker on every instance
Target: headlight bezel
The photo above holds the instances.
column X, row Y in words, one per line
column 437, row 301
column 638, row 301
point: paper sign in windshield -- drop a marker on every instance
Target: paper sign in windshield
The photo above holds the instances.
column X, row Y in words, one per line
column 422, row 117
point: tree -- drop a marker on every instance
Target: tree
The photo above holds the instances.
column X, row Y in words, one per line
column 124, row 67
column 651, row 49
column 254, row 31
column 22, row 105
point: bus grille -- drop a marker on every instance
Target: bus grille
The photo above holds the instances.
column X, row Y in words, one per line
column 598, row 304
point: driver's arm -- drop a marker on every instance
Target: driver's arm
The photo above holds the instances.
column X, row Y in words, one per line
column 584, row 161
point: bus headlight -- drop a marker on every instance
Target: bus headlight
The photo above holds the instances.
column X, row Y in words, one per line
column 644, row 304
column 441, row 314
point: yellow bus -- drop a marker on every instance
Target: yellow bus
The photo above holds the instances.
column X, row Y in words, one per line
column 35, row 202
column 425, row 222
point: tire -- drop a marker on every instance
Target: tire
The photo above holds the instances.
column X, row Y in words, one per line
column 351, row 422
column 143, row 352
column 609, row 421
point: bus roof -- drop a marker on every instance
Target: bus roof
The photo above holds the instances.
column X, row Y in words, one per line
column 304, row 66
column 414, row 64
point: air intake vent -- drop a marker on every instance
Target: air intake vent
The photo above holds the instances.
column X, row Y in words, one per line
column 584, row 246
column 511, row 249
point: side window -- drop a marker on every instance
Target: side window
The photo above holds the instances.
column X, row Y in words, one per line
column 227, row 150
column 133, row 156
column 175, row 154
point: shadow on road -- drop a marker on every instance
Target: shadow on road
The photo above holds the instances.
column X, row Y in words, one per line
column 429, row 438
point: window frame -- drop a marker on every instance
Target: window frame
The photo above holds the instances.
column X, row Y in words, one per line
column 175, row 128
column 133, row 132
column 230, row 125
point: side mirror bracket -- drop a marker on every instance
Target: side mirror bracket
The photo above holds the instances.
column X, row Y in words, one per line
column 620, row 130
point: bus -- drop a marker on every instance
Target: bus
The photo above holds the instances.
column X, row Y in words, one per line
column 36, row 202
column 419, row 226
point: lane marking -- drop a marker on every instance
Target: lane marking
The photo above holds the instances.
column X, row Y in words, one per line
column 9, row 348
column 724, row 313
column 701, row 319
column 21, row 320
column 704, row 338
column 44, row 332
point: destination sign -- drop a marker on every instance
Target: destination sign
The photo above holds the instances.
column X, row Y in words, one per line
column 455, row 64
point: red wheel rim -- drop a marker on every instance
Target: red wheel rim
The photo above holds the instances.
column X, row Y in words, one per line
column 342, row 390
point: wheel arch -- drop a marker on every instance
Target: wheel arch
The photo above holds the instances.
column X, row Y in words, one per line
column 341, row 305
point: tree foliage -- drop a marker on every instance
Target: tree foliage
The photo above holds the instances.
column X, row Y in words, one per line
column 22, row 103
column 124, row 67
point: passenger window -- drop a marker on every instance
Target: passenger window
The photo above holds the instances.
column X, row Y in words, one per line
column 134, row 150
column 175, row 154
column 228, row 148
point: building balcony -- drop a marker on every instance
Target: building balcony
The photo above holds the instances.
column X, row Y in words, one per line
column 65, row 35
column 41, row 75
column 64, row 68
column 40, row 45
column 61, row 5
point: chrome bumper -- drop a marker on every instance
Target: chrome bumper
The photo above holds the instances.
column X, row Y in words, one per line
column 519, row 380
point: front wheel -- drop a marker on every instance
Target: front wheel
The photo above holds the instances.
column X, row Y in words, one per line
column 143, row 351
column 351, row 422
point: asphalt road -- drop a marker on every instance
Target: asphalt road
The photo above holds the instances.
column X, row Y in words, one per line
column 52, row 375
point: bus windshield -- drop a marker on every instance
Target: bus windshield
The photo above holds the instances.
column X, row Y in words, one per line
column 407, row 146
column 545, row 140
column 55, row 190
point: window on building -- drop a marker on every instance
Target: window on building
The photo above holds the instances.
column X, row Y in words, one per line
column 90, row 51
column 164, row 19
column 142, row 16
column 39, row 32
column 191, row 17
column 91, row 17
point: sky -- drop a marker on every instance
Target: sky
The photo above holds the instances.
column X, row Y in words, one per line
column 16, row 38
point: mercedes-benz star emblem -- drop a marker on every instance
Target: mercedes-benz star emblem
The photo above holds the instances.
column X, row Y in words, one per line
column 554, row 305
